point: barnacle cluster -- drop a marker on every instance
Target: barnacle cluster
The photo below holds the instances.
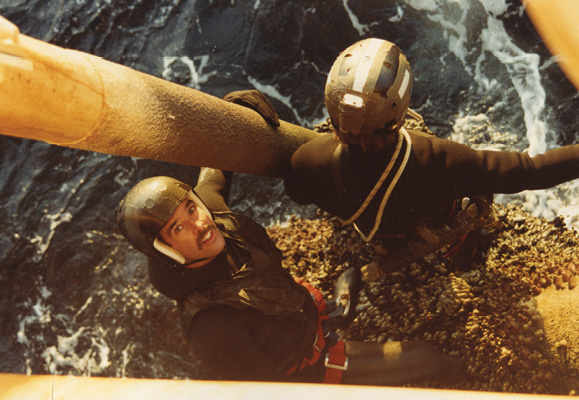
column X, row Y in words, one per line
column 490, row 313
column 512, row 314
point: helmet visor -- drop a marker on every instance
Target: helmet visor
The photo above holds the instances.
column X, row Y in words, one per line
column 363, row 113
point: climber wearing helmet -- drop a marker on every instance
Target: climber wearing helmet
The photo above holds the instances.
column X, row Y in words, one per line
column 402, row 187
column 243, row 314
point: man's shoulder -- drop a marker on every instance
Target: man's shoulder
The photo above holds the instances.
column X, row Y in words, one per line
column 314, row 155
column 324, row 141
column 423, row 141
column 420, row 134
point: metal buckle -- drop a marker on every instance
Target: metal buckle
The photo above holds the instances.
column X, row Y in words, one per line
column 327, row 363
column 316, row 343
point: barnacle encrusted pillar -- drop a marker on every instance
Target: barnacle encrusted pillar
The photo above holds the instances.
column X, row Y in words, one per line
column 74, row 99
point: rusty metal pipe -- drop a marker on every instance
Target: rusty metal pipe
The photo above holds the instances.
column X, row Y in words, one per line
column 78, row 100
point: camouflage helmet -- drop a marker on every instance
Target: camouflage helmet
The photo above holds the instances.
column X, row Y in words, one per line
column 368, row 88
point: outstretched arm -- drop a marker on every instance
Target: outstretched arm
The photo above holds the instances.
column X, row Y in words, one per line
column 483, row 171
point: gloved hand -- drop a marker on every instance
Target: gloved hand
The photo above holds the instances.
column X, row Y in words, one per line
column 257, row 101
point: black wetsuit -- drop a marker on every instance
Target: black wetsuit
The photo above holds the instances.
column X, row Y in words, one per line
column 258, row 334
column 338, row 178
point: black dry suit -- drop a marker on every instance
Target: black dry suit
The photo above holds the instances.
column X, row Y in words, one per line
column 244, row 315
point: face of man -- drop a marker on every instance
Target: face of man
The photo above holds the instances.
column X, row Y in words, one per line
column 192, row 232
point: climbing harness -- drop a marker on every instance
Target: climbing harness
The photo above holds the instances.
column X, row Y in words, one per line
column 336, row 361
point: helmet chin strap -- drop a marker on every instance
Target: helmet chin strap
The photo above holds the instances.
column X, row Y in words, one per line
column 198, row 260
column 170, row 252
column 175, row 255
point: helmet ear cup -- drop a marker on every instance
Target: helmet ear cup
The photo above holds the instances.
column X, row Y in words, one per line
column 369, row 88
column 167, row 250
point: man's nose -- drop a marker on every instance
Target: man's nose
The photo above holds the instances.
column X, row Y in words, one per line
column 196, row 224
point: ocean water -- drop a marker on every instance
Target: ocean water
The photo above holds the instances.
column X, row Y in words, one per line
column 74, row 297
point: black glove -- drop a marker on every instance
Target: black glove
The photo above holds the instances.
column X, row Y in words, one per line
column 257, row 101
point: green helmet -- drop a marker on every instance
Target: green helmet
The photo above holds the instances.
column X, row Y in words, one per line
column 369, row 87
column 147, row 208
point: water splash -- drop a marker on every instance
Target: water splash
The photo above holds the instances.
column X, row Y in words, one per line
column 361, row 28
column 195, row 75
column 527, row 95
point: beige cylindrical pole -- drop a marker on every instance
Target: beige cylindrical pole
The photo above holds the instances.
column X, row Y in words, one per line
column 34, row 387
column 77, row 100
column 556, row 23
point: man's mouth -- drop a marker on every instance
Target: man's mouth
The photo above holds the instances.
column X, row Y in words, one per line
column 207, row 234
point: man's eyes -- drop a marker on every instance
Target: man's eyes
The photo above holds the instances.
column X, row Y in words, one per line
column 190, row 211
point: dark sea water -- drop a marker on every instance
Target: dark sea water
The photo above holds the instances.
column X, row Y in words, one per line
column 74, row 297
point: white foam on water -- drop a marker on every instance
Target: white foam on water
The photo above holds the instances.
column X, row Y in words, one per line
column 524, row 71
column 272, row 92
column 424, row 5
column 197, row 66
column 39, row 314
column 127, row 355
column 165, row 12
column 42, row 243
column 455, row 30
column 398, row 17
column 84, row 306
column 64, row 354
column 361, row 28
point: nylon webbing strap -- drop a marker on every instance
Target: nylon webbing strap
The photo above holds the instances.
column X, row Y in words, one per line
column 336, row 362
column 320, row 339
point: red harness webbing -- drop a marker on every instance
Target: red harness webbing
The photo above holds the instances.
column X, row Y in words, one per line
column 336, row 361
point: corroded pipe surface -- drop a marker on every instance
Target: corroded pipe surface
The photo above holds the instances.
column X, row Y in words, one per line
column 77, row 100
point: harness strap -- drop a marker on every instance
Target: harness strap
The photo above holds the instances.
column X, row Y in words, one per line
column 383, row 177
column 336, row 361
column 320, row 340
column 453, row 251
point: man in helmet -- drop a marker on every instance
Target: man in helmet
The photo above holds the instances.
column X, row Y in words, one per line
column 245, row 317
column 401, row 186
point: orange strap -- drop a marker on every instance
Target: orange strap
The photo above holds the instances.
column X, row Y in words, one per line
column 336, row 363
column 316, row 294
column 320, row 341
column 455, row 247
